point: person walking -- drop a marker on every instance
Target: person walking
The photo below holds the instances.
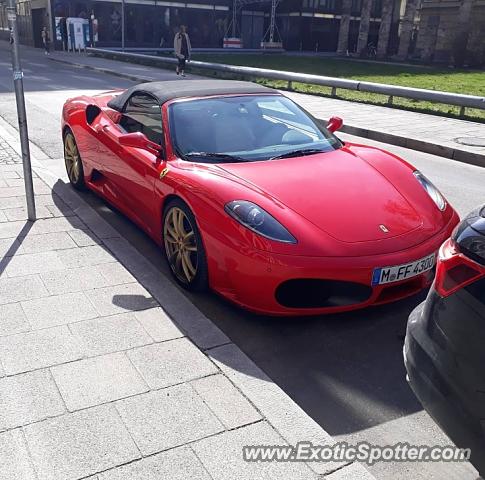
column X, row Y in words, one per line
column 45, row 40
column 182, row 48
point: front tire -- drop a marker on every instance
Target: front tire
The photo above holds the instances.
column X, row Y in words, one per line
column 184, row 249
column 74, row 164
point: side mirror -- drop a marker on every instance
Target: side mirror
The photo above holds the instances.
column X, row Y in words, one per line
column 334, row 124
column 139, row 140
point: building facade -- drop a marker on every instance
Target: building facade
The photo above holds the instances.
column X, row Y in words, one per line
column 309, row 25
column 451, row 28
column 440, row 27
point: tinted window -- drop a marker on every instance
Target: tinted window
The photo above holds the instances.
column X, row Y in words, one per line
column 253, row 128
column 142, row 113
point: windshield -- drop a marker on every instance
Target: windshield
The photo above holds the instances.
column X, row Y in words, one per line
column 246, row 128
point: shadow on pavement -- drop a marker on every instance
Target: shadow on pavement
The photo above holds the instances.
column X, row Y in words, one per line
column 6, row 258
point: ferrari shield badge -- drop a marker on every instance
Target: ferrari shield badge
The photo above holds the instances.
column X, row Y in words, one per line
column 163, row 172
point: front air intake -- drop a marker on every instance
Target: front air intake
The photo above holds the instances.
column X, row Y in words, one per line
column 319, row 293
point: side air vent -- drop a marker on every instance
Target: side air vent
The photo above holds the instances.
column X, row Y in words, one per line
column 92, row 111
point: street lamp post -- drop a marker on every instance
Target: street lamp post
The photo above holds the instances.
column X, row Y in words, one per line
column 123, row 25
column 21, row 114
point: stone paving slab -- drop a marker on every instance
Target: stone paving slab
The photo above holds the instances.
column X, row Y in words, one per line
column 81, row 257
column 16, row 463
column 97, row 380
column 110, row 334
column 172, row 362
column 79, row 444
column 58, row 310
column 21, row 288
column 30, row 264
column 20, row 213
column 33, row 350
column 82, row 239
column 73, row 280
column 12, row 319
column 158, row 325
column 28, row 398
column 351, row 472
column 121, row 298
column 227, row 403
column 167, row 418
column 9, row 247
column 222, row 457
column 177, row 464
column 47, row 242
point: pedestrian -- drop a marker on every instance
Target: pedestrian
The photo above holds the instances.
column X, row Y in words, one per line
column 182, row 48
column 45, row 40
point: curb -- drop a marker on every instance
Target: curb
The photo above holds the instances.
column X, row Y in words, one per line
column 459, row 155
column 288, row 419
column 462, row 156
column 135, row 78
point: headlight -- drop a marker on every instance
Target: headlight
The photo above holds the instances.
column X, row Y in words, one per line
column 432, row 191
column 258, row 220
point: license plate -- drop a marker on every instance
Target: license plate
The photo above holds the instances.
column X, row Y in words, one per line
column 397, row 273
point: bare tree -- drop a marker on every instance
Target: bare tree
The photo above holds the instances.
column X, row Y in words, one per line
column 385, row 28
column 364, row 26
column 407, row 26
column 343, row 34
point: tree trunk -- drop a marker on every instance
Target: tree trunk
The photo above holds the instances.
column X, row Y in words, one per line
column 407, row 26
column 364, row 26
column 385, row 28
column 343, row 34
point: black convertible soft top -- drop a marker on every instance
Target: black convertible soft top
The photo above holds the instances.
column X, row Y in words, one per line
column 169, row 90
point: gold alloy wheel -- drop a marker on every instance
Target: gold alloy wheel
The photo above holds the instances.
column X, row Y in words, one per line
column 72, row 158
column 180, row 245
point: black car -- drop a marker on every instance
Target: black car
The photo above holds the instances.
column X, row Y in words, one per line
column 444, row 350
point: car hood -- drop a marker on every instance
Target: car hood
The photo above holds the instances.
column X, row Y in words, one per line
column 337, row 191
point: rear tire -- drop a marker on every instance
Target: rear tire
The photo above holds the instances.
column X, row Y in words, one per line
column 74, row 164
column 183, row 246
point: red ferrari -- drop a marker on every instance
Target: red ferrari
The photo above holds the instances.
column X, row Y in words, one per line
column 251, row 196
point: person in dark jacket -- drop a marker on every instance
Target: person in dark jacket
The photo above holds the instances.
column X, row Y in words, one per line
column 182, row 48
column 45, row 40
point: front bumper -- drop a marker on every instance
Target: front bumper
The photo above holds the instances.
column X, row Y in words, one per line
column 251, row 278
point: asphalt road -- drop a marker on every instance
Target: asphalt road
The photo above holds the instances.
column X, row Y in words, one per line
column 346, row 370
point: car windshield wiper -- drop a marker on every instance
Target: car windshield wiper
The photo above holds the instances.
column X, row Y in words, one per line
column 223, row 157
column 299, row 153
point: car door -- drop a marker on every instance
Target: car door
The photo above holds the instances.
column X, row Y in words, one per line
column 131, row 172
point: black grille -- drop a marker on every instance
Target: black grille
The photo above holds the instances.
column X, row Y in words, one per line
column 317, row 293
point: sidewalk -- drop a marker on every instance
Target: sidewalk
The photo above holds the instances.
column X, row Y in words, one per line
column 108, row 372
column 418, row 131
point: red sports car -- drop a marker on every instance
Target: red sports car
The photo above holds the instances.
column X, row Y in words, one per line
column 251, row 196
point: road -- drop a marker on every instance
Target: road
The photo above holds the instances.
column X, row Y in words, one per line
column 346, row 370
